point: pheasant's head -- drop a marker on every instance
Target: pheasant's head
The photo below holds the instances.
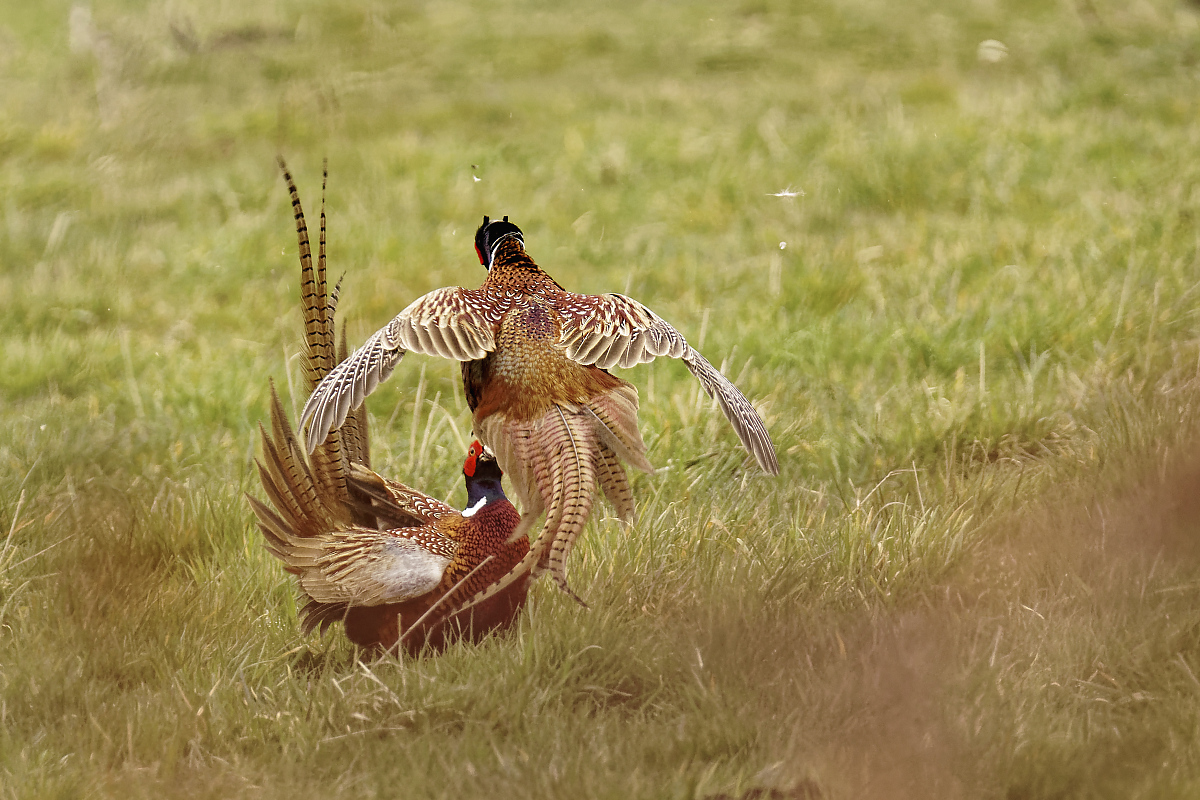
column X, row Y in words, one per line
column 490, row 235
column 483, row 478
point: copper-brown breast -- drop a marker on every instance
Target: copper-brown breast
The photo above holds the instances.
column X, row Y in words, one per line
column 485, row 534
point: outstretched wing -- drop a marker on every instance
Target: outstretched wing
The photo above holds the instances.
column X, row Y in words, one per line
column 450, row 322
column 359, row 566
column 611, row 330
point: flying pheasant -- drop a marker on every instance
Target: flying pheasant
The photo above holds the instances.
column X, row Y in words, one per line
column 387, row 560
column 535, row 370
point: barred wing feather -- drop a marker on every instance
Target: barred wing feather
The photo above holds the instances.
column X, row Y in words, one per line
column 451, row 323
column 360, row 566
column 611, row 330
column 394, row 503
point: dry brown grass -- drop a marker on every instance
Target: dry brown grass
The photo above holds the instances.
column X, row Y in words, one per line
column 1060, row 659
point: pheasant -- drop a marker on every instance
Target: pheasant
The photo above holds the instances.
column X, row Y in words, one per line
column 373, row 553
column 385, row 585
column 535, row 365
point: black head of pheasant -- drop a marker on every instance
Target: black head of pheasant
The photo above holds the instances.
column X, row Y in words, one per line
column 483, row 478
column 490, row 235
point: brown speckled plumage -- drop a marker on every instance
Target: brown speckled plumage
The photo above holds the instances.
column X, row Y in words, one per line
column 535, row 371
column 368, row 551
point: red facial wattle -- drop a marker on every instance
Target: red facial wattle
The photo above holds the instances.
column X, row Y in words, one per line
column 473, row 453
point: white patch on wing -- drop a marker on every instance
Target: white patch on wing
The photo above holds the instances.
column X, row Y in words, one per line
column 470, row 512
column 391, row 570
column 410, row 570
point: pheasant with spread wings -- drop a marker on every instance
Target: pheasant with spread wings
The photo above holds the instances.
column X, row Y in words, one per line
column 389, row 561
column 535, row 365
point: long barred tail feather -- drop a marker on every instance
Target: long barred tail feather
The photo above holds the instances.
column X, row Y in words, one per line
column 321, row 264
column 323, row 351
column 615, row 484
column 314, row 294
column 551, row 474
column 510, row 443
column 317, row 306
column 616, row 411
column 579, row 461
column 523, row 461
column 310, row 495
column 301, row 510
column 287, row 479
column 554, row 464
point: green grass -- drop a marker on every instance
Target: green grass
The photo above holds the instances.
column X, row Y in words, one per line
column 978, row 356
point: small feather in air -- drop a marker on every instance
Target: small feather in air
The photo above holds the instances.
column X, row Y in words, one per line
column 475, row 177
column 788, row 192
column 991, row 51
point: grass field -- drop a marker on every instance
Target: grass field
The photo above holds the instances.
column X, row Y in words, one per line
column 973, row 336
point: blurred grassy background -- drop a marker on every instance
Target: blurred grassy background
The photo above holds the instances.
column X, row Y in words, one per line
column 972, row 334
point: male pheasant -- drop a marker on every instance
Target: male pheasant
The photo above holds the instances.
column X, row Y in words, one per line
column 368, row 551
column 385, row 585
column 535, row 370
